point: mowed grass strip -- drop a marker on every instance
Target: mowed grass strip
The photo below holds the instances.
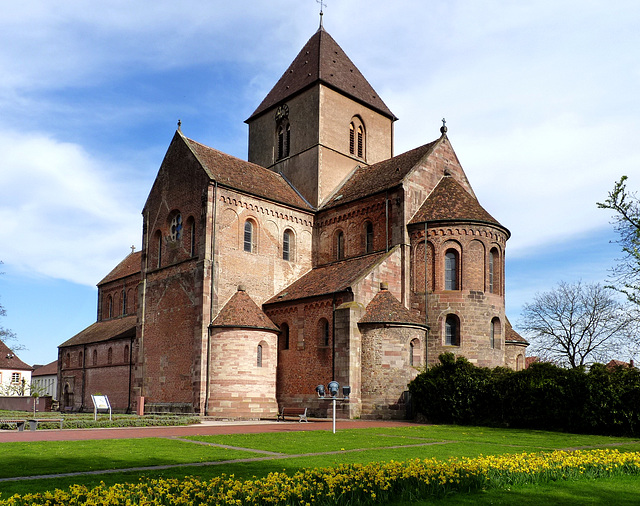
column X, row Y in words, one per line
column 376, row 445
column 59, row 457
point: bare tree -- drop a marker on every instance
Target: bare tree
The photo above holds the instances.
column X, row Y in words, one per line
column 7, row 335
column 626, row 274
column 576, row 324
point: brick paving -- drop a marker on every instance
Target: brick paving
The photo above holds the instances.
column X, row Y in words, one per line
column 204, row 429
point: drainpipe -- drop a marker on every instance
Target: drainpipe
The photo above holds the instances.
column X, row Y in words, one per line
column 386, row 219
column 130, row 372
column 84, row 357
column 211, row 311
column 426, row 303
column 333, row 340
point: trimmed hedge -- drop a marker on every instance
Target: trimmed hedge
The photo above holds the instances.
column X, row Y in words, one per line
column 544, row 396
column 86, row 421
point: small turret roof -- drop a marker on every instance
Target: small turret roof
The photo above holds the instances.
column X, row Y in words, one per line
column 242, row 312
column 385, row 308
column 323, row 60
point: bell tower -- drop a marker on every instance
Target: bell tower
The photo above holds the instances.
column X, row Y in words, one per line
column 320, row 121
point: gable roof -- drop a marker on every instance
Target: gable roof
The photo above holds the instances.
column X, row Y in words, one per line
column 46, row 370
column 371, row 179
column 449, row 201
column 242, row 312
column 130, row 265
column 322, row 60
column 245, row 176
column 329, row 279
column 385, row 308
column 9, row 360
column 117, row 328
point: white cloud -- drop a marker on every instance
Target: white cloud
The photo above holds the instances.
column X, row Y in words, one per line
column 64, row 214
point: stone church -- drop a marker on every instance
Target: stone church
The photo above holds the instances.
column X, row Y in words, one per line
column 323, row 257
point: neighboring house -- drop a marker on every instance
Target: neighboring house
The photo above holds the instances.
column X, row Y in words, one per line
column 15, row 375
column 44, row 379
column 325, row 256
column 612, row 364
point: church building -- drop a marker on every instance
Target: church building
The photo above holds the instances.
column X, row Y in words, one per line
column 323, row 257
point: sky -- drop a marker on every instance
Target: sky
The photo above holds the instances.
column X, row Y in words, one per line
column 540, row 98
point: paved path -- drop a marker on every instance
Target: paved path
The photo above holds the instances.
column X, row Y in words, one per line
column 203, row 429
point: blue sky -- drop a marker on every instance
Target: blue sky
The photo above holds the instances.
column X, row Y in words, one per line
column 541, row 102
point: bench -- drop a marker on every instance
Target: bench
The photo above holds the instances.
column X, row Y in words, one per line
column 33, row 422
column 19, row 423
column 301, row 413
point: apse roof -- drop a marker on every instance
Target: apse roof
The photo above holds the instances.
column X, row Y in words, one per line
column 105, row 330
column 512, row 336
column 242, row 312
column 246, row 176
column 371, row 179
column 449, row 201
column 385, row 308
column 323, row 60
column 130, row 265
column 328, row 279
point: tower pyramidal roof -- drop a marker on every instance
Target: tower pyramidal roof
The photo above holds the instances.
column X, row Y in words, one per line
column 322, row 60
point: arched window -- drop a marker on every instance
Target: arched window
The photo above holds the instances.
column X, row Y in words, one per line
column 284, row 335
column 451, row 270
column 191, row 227
column 80, row 359
column 452, row 331
column 494, row 270
column 110, row 355
column 284, row 140
column 414, row 353
column 492, row 336
column 124, row 301
column 496, row 333
column 249, row 237
column 339, row 245
column 158, row 242
column 94, row 358
column 368, row 237
column 175, row 228
column 323, row 332
column 356, row 137
column 519, row 362
column 125, row 355
column 259, row 356
column 287, row 245
column 109, row 306
column 67, row 360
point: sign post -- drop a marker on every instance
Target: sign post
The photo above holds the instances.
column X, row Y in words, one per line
column 100, row 402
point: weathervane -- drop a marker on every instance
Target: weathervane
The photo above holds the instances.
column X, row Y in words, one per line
column 322, row 5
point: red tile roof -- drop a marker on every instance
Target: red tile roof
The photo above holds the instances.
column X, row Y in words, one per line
column 116, row 328
column 329, row 279
column 371, row 179
column 130, row 265
column 323, row 60
column 245, row 176
column 511, row 336
column 385, row 308
column 9, row 360
column 449, row 201
column 242, row 312
column 46, row 370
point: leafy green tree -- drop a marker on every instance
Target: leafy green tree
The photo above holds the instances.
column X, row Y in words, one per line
column 576, row 324
column 626, row 220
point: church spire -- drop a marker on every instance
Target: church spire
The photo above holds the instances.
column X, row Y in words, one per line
column 322, row 5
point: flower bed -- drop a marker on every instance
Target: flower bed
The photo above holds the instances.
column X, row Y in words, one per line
column 351, row 484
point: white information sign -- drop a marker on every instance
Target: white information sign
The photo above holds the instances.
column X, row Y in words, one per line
column 100, row 402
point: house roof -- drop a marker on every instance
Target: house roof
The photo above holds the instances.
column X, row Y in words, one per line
column 46, row 370
column 329, row 279
column 9, row 360
column 130, row 265
column 242, row 312
column 449, row 201
column 385, row 308
column 322, row 60
column 245, row 176
column 371, row 179
column 117, row 328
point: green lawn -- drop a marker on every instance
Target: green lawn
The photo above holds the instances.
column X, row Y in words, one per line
column 290, row 449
